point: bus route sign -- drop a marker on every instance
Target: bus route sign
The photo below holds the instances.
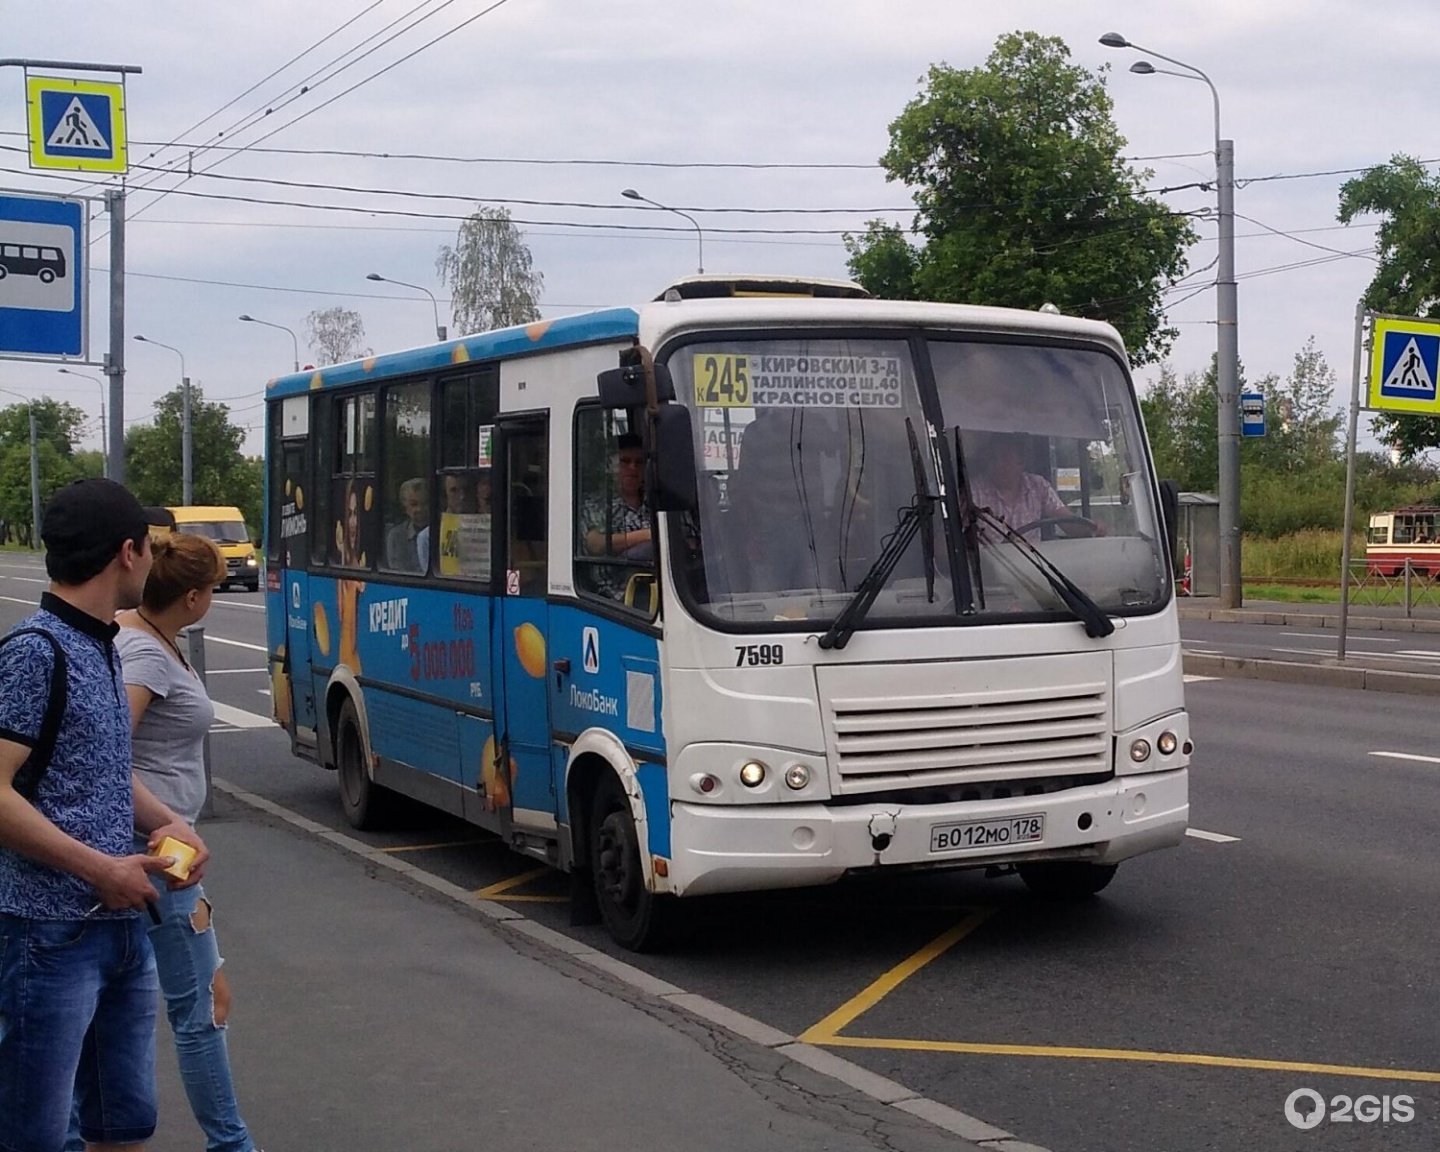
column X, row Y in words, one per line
column 43, row 277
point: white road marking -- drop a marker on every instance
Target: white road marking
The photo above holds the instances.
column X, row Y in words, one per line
column 1213, row 837
column 1352, row 652
column 237, row 604
column 241, row 718
column 233, row 671
column 16, row 600
column 235, row 643
column 263, row 691
column 1330, row 635
column 1198, row 679
column 1407, row 756
column 26, row 579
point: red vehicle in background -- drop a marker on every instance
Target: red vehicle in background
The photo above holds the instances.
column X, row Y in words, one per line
column 1404, row 534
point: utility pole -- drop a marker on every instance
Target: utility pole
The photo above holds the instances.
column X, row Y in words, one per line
column 1227, row 381
column 34, row 481
column 115, row 358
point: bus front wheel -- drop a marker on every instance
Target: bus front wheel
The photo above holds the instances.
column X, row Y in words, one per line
column 635, row 917
column 1066, row 879
column 367, row 805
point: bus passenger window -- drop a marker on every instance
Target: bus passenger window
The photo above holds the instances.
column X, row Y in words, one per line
column 406, row 491
column 350, row 538
column 614, row 550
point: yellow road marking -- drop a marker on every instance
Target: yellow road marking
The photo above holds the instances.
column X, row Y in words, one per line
column 828, row 1029
column 441, row 844
column 503, row 886
column 1193, row 1058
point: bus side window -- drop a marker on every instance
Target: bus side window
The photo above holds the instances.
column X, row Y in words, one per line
column 463, row 513
column 406, row 491
column 614, row 553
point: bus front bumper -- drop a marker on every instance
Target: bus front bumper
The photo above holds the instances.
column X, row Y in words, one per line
column 749, row 847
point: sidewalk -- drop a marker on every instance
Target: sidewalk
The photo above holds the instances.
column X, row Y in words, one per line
column 373, row 1012
column 1365, row 671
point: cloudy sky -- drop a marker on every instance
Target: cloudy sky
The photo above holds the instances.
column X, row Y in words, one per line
column 636, row 89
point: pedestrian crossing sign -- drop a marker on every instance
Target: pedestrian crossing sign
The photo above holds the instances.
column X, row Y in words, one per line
column 1405, row 365
column 76, row 125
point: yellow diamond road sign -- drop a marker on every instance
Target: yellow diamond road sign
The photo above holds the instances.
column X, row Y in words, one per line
column 77, row 125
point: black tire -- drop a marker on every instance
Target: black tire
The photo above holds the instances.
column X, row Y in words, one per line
column 253, row 587
column 367, row 806
column 1066, row 879
column 635, row 918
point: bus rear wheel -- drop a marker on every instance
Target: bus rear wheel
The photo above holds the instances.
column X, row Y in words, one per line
column 636, row 918
column 366, row 804
column 1066, row 879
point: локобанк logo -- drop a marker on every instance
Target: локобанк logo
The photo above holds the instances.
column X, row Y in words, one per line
column 1304, row 1108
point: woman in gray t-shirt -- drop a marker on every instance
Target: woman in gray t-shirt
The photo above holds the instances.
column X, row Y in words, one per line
column 170, row 714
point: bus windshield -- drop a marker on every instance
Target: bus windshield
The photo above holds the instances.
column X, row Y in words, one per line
column 221, row 531
column 813, row 448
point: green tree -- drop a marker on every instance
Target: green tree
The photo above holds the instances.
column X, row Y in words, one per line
column 1180, row 420
column 1023, row 199
column 492, row 281
column 221, row 473
column 57, row 422
column 1407, row 279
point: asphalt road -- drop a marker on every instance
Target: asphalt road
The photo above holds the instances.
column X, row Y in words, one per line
column 1406, row 651
column 1285, row 945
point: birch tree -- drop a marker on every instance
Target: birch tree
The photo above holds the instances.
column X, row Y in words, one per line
column 492, row 281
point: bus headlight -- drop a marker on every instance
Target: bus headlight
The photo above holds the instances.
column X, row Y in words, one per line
column 1167, row 742
column 1140, row 751
column 752, row 773
column 797, row 776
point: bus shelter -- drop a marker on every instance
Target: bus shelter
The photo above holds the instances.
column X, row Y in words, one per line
column 1198, row 554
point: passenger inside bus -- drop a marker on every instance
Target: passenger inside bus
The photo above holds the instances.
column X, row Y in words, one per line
column 404, row 550
column 620, row 525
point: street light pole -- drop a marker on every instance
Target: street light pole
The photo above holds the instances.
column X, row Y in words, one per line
column 1227, row 339
column 104, row 446
column 631, row 194
column 295, row 344
column 187, row 482
column 434, row 304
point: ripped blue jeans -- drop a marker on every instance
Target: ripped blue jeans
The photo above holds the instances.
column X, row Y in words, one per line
column 187, row 958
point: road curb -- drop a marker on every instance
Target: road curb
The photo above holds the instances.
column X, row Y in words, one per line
column 1321, row 675
column 853, row 1076
column 1299, row 619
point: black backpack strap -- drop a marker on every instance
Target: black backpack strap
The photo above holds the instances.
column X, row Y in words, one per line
column 27, row 779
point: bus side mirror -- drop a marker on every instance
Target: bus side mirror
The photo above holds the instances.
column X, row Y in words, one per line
column 624, row 387
column 1170, row 517
column 670, row 467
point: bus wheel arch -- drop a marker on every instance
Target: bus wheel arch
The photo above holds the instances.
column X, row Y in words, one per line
column 609, row 844
column 366, row 805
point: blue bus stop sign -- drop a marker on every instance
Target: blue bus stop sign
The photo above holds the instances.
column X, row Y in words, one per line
column 1252, row 414
column 43, row 277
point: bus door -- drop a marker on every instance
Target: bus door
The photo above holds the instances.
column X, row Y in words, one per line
column 521, row 620
column 292, row 685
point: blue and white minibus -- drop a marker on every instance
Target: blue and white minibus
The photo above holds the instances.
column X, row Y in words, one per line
column 752, row 586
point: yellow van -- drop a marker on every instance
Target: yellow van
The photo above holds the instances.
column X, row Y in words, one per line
column 226, row 526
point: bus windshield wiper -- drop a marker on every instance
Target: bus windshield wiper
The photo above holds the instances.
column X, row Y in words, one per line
column 1096, row 622
column 914, row 517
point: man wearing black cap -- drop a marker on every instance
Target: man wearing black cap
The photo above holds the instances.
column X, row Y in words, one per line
column 77, row 977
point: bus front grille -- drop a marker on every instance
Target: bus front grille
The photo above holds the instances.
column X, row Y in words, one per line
column 904, row 739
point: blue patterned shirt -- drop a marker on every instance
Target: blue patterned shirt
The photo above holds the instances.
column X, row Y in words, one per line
column 86, row 790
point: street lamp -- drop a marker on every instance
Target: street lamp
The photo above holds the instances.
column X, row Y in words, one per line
column 104, row 442
column 294, row 342
column 187, row 485
column 34, row 470
column 439, row 328
column 631, row 194
column 1227, row 339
